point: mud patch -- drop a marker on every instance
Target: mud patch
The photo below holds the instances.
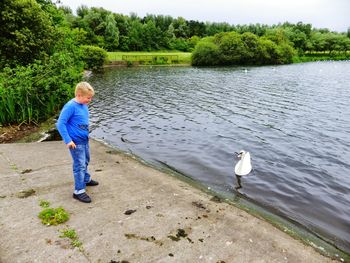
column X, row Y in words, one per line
column 129, row 212
column 148, row 239
column 12, row 134
column 112, row 152
column 181, row 233
column 25, row 193
column 52, row 135
column 216, row 199
column 200, row 205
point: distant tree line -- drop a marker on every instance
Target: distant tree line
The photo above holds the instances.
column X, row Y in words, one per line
column 111, row 31
column 44, row 48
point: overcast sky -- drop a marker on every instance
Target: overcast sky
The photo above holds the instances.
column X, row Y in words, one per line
column 331, row 14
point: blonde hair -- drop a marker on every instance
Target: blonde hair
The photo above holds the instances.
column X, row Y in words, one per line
column 84, row 88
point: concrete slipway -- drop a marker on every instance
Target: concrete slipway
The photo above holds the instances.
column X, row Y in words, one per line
column 167, row 219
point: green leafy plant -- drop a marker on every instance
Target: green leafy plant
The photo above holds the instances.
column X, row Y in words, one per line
column 69, row 233
column 53, row 216
column 44, row 203
column 72, row 235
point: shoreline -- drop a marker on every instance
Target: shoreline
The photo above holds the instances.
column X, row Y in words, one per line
column 292, row 228
column 215, row 230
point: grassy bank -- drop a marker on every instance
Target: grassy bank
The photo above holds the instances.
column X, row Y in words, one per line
column 175, row 57
column 321, row 56
column 151, row 58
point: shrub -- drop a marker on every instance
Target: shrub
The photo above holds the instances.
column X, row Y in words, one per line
column 180, row 44
column 267, row 52
column 93, row 57
column 37, row 91
column 232, row 48
column 206, row 53
column 286, row 53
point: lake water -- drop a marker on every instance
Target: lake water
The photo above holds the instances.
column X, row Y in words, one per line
column 293, row 119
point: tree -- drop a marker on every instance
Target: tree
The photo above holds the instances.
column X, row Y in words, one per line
column 94, row 22
column 151, row 36
column 299, row 39
column 41, row 59
column 267, row 53
column 192, row 42
column 196, row 28
column 79, row 36
column 251, row 43
column 123, row 25
column 82, row 11
column 231, row 47
column 26, row 32
column 66, row 10
column 163, row 22
column 180, row 44
column 214, row 28
column 331, row 41
column 285, row 53
column 135, row 36
column 277, row 35
column 180, row 27
column 318, row 41
column 111, row 33
column 305, row 28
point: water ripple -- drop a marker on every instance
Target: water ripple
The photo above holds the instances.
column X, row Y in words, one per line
column 294, row 119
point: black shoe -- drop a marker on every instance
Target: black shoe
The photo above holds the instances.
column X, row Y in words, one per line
column 92, row 183
column 83, row 197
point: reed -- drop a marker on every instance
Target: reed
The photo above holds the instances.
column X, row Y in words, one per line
column 36, row 92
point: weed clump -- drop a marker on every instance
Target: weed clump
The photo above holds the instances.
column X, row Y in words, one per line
column 72, row 235
column 44, row 203
column 26, row 193
column 53, row 216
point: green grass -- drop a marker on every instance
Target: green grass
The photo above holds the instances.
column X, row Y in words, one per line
column 154, row 57
column 321, row 56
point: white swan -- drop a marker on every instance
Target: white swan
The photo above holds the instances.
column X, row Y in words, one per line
column 243, row 166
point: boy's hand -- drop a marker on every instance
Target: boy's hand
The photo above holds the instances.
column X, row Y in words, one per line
column 71, row 145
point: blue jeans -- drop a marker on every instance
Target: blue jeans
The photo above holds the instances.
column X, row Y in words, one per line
column 81, row 159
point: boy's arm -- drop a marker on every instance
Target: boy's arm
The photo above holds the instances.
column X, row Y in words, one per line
column 61, row 124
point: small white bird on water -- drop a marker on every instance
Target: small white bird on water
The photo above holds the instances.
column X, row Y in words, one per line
column 243, row 166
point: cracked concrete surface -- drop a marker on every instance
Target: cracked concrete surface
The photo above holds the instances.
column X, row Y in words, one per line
column 167, row 219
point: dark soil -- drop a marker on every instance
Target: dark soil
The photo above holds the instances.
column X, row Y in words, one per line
column 11, row 134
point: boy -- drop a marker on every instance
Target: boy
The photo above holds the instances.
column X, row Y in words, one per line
column 73, row 126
